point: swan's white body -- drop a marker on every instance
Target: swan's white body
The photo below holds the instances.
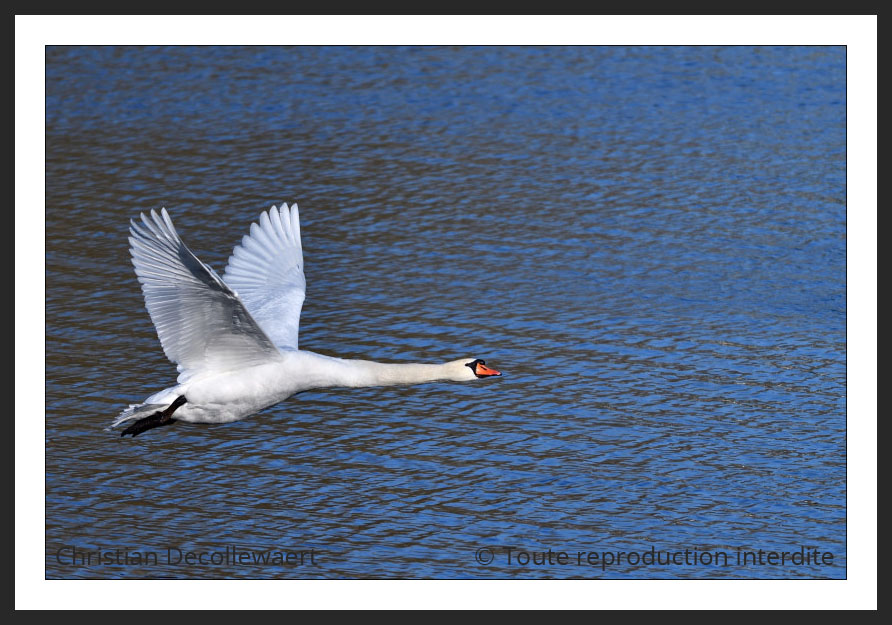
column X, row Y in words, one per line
column 234, row 338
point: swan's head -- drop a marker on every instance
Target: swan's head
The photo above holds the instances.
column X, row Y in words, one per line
column 473, row 368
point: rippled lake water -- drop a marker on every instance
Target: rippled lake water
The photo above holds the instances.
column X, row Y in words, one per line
column 648, row 242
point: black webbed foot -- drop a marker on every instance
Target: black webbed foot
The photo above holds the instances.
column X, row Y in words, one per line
column 163, row 417
column 147, row 423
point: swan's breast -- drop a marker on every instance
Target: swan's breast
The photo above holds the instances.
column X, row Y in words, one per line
column 261, row 385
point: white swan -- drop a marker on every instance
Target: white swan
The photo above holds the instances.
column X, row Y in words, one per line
column 234, row 339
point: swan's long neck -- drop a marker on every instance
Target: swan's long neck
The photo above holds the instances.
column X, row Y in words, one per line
column 320, row 371
column 368, row 373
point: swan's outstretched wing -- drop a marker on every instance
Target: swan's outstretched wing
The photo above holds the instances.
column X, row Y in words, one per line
column 201, row 323
column 267, row 272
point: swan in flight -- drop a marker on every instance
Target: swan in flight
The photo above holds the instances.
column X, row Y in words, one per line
column 234, row 339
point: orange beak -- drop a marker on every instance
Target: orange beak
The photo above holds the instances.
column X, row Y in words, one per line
column 484, row 370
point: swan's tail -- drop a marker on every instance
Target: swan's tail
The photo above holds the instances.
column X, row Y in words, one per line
column 136, row 411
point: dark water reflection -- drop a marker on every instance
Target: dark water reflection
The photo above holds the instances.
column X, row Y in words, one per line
column 649, row 242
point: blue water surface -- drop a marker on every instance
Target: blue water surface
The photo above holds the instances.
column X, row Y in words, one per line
column 650, row 243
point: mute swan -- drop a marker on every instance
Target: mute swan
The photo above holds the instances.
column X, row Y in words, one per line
column 234, row 339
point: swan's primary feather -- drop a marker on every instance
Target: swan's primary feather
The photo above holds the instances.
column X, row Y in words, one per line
column 202, row 325
column 267, row 272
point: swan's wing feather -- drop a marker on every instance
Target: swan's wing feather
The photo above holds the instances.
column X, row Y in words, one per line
column 267, row 272
column 200, row 321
